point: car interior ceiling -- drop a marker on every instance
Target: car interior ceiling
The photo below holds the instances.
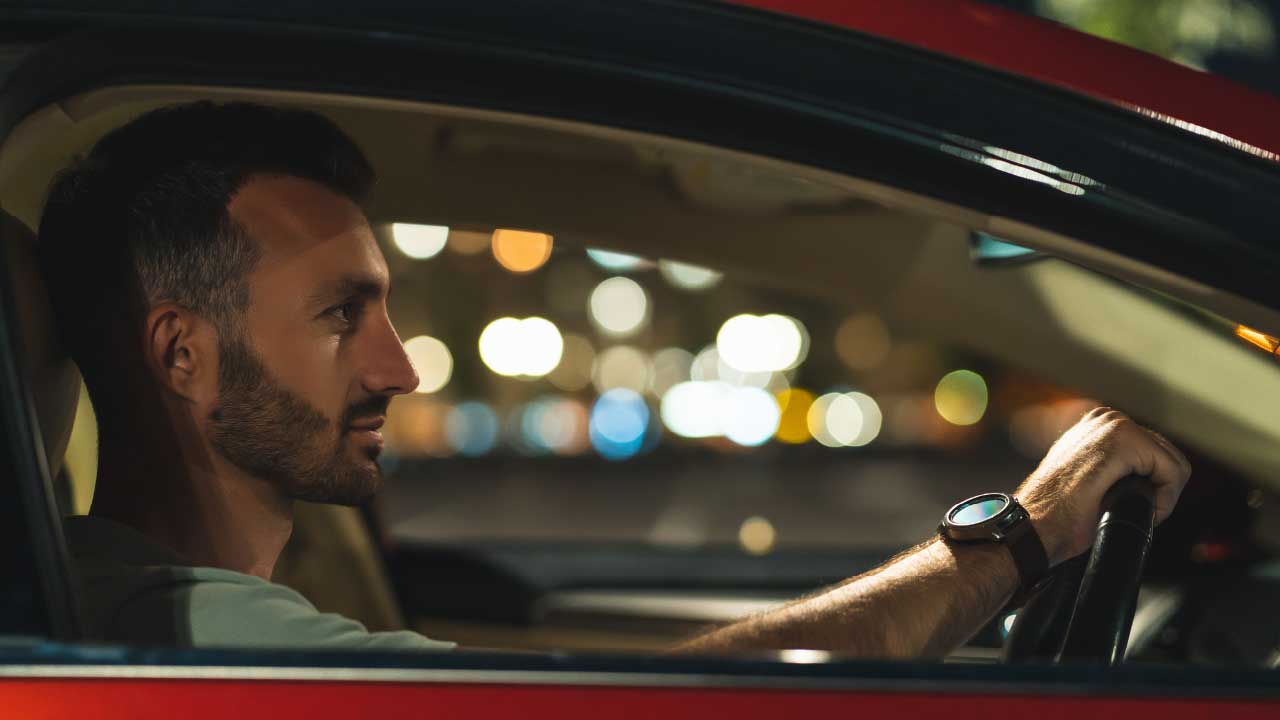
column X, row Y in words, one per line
column 846, row 241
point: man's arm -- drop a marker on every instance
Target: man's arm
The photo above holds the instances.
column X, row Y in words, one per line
column 933, row 597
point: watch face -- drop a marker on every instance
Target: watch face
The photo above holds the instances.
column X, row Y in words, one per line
column 978, row 510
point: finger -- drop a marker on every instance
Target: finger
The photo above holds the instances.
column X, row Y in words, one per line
column 1168, row 473
column 1173, row 449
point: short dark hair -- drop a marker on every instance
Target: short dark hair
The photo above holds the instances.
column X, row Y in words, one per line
column 143, row 219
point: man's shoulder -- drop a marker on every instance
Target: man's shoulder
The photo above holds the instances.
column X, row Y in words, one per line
column 134, row 591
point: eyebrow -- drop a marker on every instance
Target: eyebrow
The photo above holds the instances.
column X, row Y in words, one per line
column 347, row 287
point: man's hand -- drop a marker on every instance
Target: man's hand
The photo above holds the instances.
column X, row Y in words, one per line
column 1064, row 494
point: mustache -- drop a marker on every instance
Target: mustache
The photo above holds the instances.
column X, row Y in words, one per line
column 371, row 407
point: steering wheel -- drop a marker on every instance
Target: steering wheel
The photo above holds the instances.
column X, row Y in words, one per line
column 1084, row 612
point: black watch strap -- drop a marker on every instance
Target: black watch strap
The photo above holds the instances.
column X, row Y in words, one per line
column 1028, row 555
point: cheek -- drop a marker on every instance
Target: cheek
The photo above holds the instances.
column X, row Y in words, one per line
column 314, row 369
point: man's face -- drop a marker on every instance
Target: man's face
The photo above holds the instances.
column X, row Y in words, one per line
column 304, row 389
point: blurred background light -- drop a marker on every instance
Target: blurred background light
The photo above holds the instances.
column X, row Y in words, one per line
column 749, row 416
column 671, row 366
column 793, row 420
column 961, row 397
column 432, row 361
column 688, row 277
column 619, row 306
column 757, row 536
column 621, row 366
column 466, row 242
column 415, row 427
column 844, row 419
column 472, row 428
column 816, row 419
column 616, row 261
column 530, row 347
column 706, row 365
column 521, row 251
column 555, row 424
column 862, row 341
column 761, row 343
column 419, row 241
column 692, row 409
column 577, row 359
column 618, row 423
column 872, row 419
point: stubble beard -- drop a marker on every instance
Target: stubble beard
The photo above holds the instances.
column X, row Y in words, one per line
column 274, row 434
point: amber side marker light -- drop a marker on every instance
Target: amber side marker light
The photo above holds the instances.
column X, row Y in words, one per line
column 1257, row 339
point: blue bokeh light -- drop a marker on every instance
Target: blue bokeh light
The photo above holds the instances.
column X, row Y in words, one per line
column 619, row 420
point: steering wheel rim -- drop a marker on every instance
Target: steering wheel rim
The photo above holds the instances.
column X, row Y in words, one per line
column 1084, row 613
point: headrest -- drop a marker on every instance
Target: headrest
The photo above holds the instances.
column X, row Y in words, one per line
column 53, row 377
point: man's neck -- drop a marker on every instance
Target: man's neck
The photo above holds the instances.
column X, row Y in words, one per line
column 195, row 503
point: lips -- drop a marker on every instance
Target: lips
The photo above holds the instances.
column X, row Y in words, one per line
column 370, row 424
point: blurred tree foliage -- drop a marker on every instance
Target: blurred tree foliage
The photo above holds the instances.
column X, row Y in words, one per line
column 1187, row 31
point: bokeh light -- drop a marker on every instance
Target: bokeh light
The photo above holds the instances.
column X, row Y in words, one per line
column 671, row 366
column 762, row 343
column 577, row 359
column 521, row 251
column 793, row 423
column 555, row 424
column 692, row 409
column 616, row 261
column 619, row 306
column 843, row 419
column 706, row 365
column 521, row 348
column 816, row 419
column 704, row 409
column 621, row 366
column 618, row 423
column 749, row 416
column 961, row 397
column 872, row 419
column 419, row 242
column 688, row 277
column 757, row 536
column 472, row 428
column 415, row 427
column 862, row 341
column 432, row 361
column 467, row 242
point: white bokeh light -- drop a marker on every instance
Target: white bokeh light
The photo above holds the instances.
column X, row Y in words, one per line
column 530, row 347
column 432, row 361
column 749, row 416
column 872, row 419
column 761, row 343
column 689, row 277
column 616, row 261
column 619, row 306
column 844, row 419
column 692, row 409
column 419, row 241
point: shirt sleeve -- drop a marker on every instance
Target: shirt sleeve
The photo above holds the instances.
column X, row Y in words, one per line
column 261, row 615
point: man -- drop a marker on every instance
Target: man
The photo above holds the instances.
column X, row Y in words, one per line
column 223, row 295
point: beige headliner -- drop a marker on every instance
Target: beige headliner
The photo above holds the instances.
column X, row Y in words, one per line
column 846, row 239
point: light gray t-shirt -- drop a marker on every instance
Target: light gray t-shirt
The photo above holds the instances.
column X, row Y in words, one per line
column 136, row 592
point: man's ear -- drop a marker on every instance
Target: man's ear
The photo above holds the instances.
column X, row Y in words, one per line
column 181, row 349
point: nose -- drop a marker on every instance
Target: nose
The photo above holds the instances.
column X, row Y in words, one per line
column 389, row 371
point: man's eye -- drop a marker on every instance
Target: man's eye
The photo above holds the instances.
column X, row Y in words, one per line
column 344, row 313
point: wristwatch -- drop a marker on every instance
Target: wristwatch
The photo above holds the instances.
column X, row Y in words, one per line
column 996, row 517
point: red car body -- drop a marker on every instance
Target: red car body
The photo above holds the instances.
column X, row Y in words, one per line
column 143, row 685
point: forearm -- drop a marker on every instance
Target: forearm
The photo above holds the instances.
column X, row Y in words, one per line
column 924, row 602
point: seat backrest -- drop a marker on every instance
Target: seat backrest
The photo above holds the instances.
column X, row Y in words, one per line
column 36, row 371
column 53, row 377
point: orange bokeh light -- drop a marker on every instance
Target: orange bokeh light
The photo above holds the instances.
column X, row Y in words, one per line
column 521, row 251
